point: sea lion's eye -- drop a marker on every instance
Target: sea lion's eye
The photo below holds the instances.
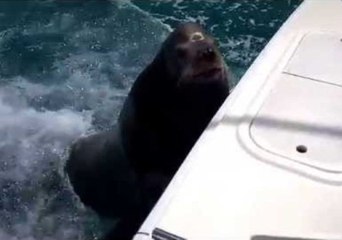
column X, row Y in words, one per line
column 197, row 36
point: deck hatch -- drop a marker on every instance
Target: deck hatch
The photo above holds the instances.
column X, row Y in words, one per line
column 318, row 56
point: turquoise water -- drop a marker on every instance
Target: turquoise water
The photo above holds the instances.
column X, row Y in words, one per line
column 65, row 69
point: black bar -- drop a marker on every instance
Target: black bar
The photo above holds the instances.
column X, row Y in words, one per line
column 159, row 234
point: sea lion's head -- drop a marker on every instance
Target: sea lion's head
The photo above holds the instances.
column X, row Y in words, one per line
column 192, row 57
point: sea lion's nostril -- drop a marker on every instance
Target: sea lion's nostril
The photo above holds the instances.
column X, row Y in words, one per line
column 208, row 53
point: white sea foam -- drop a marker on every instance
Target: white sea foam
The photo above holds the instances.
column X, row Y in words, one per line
column 87, row 70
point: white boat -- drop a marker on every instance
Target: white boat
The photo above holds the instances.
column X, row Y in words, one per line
column 269, row 165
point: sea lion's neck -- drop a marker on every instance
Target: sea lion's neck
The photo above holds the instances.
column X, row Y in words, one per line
column 194, row 108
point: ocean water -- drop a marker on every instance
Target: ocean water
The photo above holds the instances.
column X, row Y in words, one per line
column 65, row 69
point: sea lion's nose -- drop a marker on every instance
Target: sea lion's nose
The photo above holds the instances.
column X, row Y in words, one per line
column 207, row 53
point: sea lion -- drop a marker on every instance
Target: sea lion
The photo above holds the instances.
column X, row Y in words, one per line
column 122, row 172
column 173, row 100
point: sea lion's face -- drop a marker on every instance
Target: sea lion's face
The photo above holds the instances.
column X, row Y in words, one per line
column 192, row 57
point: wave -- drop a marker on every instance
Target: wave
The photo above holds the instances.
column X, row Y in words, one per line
column 65, row 69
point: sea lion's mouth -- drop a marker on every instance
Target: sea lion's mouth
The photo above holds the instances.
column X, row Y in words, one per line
column 209, row 73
